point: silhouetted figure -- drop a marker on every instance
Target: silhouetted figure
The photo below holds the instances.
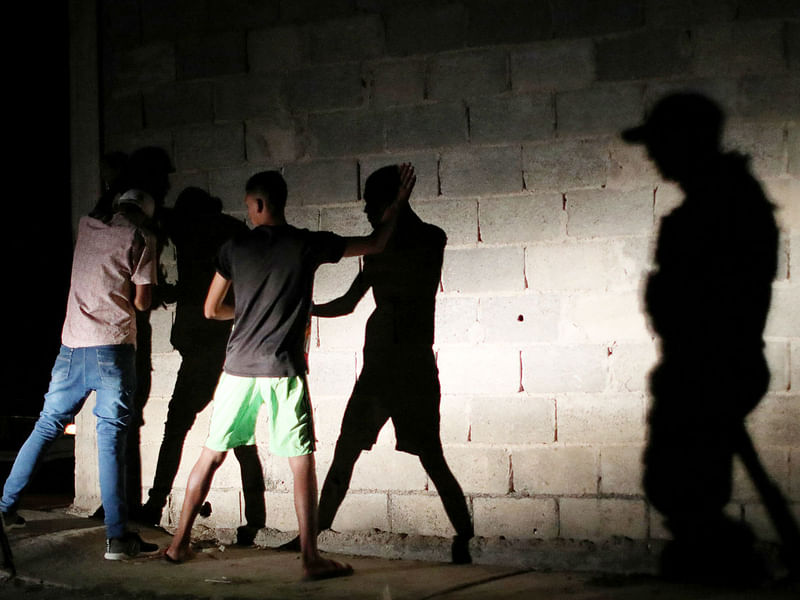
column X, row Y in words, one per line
column 399, row 380
column 708, row 300
column 198, row 227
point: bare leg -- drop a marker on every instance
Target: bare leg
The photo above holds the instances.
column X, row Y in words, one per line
column 196, row 491
column 305, row 504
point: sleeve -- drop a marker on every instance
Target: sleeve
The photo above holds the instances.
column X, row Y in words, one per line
column 223, row 261
column 145, row 269
column 326, row 247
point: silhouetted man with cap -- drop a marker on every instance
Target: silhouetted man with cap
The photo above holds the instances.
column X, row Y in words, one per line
column 708, row 299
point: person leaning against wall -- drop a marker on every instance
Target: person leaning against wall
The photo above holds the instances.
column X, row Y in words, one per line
column 271, row 270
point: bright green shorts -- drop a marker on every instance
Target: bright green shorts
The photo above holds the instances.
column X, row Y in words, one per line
column 237, row 401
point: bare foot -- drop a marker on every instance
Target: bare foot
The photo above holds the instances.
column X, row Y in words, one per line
column 178, row 555
column 325, row 569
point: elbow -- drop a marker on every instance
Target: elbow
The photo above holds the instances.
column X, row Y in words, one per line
column 209, row 312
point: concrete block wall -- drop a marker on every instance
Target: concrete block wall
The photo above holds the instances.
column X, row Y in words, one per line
column 510, row 111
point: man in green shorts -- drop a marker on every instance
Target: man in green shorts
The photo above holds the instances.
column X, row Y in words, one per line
column 271, row 270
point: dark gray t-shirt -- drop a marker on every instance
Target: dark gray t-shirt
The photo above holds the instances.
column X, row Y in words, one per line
column 272, row 270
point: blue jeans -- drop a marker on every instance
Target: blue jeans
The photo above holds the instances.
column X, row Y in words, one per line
column 111, row 372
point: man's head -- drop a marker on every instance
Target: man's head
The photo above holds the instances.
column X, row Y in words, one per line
column 380, row 190
column 265, row 197
column 148, row 170
column 681, row 132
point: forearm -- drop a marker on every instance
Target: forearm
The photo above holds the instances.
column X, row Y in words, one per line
column 223, row 312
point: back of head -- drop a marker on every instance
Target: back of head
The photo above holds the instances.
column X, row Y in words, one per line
column 148, row 169
column 271, row 186
column 382, row 185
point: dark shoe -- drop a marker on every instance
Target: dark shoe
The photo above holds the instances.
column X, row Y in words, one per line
column 127, row 546
column 12, row 520
column 246, row 535
column 292, row 545
column 147, row 514
column 460, row 550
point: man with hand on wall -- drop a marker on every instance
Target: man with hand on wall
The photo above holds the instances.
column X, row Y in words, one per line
column 271, row 270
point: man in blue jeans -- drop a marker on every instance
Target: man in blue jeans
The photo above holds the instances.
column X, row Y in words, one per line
column 114, row 268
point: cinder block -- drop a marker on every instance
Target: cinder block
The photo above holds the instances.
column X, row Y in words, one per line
column 621, row 470
column 684, row 13
column 583, row 18
column 527, row 319
column 601, row 419
column 562, row 165
column 521, row 518
column 347, row 220
column 738, row 48
column 604, row 318
column 225, row 509
column 793, row 146
column 275, row 48
column 458, row 218
column 526, row 218
column 557, row 65
column 769, row 97
column 422, row 514
column 165, row 369
column 328, row 412
column 794, row 475
column 658, row 530
column 168, row 20
column 723, row 91
column 358, row 37
column 477, row 270
column 129, row 142
column 575, row 368
column 277, row 473
column 517, row 419
column 481, row 370
column 331, row 373
column 783, row 192
column 209, row 146
column 630, row 365
column 474, row 73
column 555, row 470
column 778, row 357
column 508, row 118
column 313, row 10
column 763, row 143
column 776, row 462
column 601, row 519
column 143, row 66
column 347, row 332
column 280, row 511
column 426, row 169
column 333, row 280
column 644, row 54
column 178, row 104
column 776, row 420
column 795, row 367
column 426, row 126
column 600, row 109
column 247, row 96
column 760, row 522
column 792, row 33
column 422, row 29
column 120, row 23
column 508, row 22
column 784, row 315
column 479, row 470
column 161, row 322
column 303, row 217
column 276, row 139
column 154, row 415
column 123, row 113
column 363, row 511
column 240, row 14
column 454, row 318
column 609, row 213
column 481, row 171
column 387, row 469
column 753, row 9
column 397, row 82
column 211, row 54
column 229, row 186
column 322, row 182
column 668, row 196
column 454, row 427
column 325, row 87
column 345, row 133
column 587, row 265
column 631, row 168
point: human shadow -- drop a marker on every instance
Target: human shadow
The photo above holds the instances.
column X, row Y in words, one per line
column 707, row 298
column 198, row 227
column 399, row 379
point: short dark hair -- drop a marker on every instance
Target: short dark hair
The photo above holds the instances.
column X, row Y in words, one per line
column 382, row 185
column 271, row 185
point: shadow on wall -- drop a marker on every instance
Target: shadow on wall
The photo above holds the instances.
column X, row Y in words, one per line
column 197, row 227
column 708, row 300
column 399, row 380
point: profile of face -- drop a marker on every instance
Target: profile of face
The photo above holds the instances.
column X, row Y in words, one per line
column 374, row 210
column 380, row 190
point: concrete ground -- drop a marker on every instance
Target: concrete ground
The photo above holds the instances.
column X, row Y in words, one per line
column 59, row 556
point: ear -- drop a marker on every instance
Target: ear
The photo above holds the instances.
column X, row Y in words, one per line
column 260, row 202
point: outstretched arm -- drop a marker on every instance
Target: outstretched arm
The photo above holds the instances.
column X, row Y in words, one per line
column 215, row 307
column 346, row 303
column 376, row 241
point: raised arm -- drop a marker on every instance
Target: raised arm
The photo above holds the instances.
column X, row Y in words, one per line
column 376, row 241
column 346, row 303
column 215, row 307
